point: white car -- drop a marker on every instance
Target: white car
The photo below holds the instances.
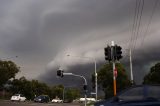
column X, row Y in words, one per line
column 18, row 97
column 57, row 101
column 88, row 100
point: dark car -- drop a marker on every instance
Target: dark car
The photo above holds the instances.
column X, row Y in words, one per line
column 142, row 95
column 42, row 99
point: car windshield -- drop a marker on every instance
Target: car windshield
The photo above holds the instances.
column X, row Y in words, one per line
column 132, row 94
column 154, row 92
column 16, row 95
column 141, row 92
column 21, row 95
column 40, row 97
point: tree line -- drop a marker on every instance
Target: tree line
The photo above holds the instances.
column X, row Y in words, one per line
column 33, row 88
column 30, row 89
column 105, row 78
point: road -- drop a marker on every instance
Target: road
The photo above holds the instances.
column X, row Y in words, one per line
column 9, row 103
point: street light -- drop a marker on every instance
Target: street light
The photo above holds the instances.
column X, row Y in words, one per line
column 96, row 88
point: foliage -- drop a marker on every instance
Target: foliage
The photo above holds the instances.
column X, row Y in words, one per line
column 57, row 91
column 72, row 94
column 8, row 70
column 153, row 76
column 29, row 88
column 105, row 79
column 69, row 93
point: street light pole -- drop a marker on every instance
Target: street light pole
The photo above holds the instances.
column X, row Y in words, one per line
column 96, row 88
column 95, row 72
column 63, row 94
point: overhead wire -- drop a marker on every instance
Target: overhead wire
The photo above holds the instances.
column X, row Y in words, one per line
column 133, row 26
column 137, row 30
column 135, row 22
column 149, row 23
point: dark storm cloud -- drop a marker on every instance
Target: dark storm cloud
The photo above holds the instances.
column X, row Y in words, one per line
column 42, row 31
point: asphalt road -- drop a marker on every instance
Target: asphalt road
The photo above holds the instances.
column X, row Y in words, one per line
column 9, row 103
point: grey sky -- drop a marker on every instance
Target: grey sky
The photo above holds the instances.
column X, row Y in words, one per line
column 42, row 32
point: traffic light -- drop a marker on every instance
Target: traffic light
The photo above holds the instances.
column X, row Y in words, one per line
column 85, row 87
column 117, row 52
column 107, row 52
column 60, row 73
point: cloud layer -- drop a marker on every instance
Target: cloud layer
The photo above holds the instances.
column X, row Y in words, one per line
column 44, row 32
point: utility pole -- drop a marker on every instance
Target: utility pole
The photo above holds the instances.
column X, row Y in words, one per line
column 131, row 71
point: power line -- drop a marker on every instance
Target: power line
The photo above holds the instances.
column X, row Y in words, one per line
column 135, row 30
column 149, row 23
column 134, row 20
column 138, row 24
column 135, row 23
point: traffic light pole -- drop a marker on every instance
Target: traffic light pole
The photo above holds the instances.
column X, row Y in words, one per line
column 85, row 84
column 113, row 60
column 113, row 53
column 95, row 72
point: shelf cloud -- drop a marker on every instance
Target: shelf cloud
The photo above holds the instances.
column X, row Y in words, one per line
column 42, row 34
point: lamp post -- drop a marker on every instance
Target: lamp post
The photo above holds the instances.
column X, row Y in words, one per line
column 96, row 88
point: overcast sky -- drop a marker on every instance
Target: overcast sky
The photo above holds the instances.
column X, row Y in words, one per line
column 42, row 32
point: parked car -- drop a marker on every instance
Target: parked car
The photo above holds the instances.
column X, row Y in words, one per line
column 57, row 101
column 142, row 95
column 42, row 99
column 18, row 97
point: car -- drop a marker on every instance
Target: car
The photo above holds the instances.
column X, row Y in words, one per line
column 81, row 100
column 56, row 101
column 18, row 97
column 42, row 99
column 140, row 95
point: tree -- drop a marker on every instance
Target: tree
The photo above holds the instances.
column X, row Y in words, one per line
column 29, row 89
column 105, row 79
column 153, row 76
column 71, row 94
column 57, row 91
column 39, row 88
column 23, row 86
column 8, row 70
